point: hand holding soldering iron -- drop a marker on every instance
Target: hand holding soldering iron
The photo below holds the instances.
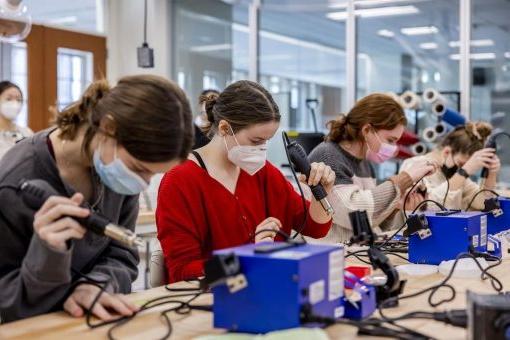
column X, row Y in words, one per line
column 320, row 173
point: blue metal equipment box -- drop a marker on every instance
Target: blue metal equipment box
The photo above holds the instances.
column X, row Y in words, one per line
column 280, row 283
column 501, row 223
column 451, row 235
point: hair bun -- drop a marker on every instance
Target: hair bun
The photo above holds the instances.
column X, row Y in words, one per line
column 93, row 94
column 484, row 129
column 478, row 130
column 71, row 118
column 210, row 101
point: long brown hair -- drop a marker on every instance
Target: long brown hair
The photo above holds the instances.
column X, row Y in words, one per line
column 152, row 117
column 379, row 110
column 467, row 139
column 241, row 104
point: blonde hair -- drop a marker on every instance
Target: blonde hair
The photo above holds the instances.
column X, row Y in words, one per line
column 468, row 138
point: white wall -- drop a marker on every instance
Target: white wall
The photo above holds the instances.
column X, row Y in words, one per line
column 124, row 32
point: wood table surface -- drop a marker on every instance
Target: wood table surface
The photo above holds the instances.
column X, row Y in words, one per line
column 149, row 325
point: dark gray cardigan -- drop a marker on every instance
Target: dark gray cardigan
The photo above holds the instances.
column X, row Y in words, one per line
column 35, row 278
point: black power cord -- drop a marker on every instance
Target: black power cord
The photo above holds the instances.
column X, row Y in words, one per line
column 286, row 142
column 372, row 326
column 447, row 189
column 409, row 192
column 495, row 282
column 181, row 307
column 478, row 193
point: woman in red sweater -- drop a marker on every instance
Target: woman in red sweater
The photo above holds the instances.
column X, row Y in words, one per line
column 227, row 191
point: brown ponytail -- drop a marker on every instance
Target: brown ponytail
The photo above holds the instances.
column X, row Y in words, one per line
column 379, row 110
column 152, row 117
column 467, row 139
column 72, row 117
column 210, row 101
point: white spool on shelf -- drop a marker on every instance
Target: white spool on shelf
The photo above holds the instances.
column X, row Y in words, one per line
column 410, row 100
column 439, row 108
column 419, row 149
column 429, row 135
column 441, row 129
column 431, row 95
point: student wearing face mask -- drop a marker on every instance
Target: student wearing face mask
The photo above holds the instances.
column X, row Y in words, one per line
column 11, row 102
column 103, row 151
column 367, row 135
column 201, row 122
column 227, row 192
column 462, row 155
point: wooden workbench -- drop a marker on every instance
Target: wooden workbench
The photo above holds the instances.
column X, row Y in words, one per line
column 148, row 325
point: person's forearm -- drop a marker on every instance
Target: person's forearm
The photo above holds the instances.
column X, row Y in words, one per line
column 490, row 183
column 317, row 212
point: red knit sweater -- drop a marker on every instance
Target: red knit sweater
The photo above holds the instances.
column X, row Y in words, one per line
column 196, row 214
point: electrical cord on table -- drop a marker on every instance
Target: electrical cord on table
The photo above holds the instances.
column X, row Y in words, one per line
column 495, row 282
column 182, row 307
column 372, row 326
column 456, row 318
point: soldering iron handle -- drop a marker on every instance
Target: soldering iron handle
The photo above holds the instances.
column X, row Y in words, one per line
column 491, row 143
column 37, row 191
column 299, row 159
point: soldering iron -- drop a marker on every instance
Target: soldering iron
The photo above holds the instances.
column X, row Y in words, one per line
column 36, row 191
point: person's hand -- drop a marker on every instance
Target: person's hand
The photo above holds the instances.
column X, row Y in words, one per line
column 320, row 173
column 53, row 222
column 495, row 165
column 108, row 307
column 421, row 169
column 480, row 159
column 272, row 225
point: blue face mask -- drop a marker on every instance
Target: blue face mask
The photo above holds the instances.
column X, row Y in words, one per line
column 117, row 176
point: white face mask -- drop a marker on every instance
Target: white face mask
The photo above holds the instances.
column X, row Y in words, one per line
column 10, row 109
column 249, row 158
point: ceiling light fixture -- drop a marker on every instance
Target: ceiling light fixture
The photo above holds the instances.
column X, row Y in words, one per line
column 386, row 33
column 476, row 56
column 375, row 12
column 429, row 46
column 474, row 43
column 419, row 30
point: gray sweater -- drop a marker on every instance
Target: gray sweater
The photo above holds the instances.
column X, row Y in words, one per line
column 355, row 189
column 35, row 278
